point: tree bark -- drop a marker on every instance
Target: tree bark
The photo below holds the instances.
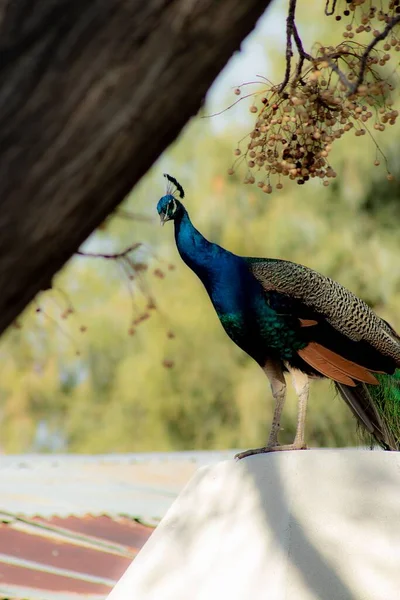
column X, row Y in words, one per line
column 91, row 93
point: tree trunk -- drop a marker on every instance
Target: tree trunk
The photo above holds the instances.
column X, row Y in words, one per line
column 91, row 93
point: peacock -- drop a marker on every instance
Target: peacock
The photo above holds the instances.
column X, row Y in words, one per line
column 291, row 319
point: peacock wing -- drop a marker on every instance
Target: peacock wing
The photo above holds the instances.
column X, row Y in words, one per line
column 344, row 324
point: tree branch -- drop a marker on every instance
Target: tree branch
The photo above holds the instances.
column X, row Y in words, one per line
column 364, row 58
column 114, row 256
column 291, row 32
column 91, row 94
column 126, row 214
column 302, row 54
column 289, row 51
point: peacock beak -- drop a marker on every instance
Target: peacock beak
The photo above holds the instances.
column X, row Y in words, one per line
column 163, row 218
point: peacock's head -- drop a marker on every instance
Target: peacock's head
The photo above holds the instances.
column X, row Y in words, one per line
column 168, row 206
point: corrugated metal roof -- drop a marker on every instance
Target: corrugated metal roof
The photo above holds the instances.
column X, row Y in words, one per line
column 68, row 523
column 142, row 486
column 43, row 558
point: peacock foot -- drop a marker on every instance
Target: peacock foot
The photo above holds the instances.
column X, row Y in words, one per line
column 278, row 448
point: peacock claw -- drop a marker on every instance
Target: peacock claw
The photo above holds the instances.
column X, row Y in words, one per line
column 266, row 449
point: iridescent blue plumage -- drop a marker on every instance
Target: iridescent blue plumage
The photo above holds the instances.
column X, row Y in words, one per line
column 238, row 298
column 288, row 317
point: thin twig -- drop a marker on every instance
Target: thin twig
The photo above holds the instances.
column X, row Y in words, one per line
column 377, row 146
column 126, row 214
column 393, row 22
column 291, row 32
column 330, row 12
column 302, row 54
column 299, row 44
column 231, row 105
column 338, row 72
column 289, row 51
column 110, row 256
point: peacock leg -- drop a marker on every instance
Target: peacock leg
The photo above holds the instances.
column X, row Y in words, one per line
column 302, row 386
column 274, row 372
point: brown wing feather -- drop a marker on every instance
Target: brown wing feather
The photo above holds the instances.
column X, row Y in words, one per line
column 307, row 322
column 347, row 367
column 315, row 360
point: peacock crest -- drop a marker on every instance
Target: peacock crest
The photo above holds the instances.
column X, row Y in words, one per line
column 174, row 186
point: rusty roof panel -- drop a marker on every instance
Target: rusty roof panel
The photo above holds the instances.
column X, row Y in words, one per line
column 68, row 525
column 39, row 546
column 120, row 530
column 17, row 592
column 77, row 555
column 44, row 580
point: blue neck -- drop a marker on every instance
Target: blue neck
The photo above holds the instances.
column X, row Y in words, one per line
column 225, row 276
column 197, row 252
column 239, row 299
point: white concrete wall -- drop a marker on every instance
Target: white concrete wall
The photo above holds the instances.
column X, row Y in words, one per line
column 305, row 525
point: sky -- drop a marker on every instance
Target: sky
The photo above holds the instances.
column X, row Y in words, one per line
column 251, row 60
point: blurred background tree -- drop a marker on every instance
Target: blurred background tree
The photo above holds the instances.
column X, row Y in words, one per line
column 131, row 357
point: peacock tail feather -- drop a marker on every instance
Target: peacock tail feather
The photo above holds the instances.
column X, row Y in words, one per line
column 377, row 408
column 386, row 397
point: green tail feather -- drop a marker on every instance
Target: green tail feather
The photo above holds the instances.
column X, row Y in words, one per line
column 386, row 399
